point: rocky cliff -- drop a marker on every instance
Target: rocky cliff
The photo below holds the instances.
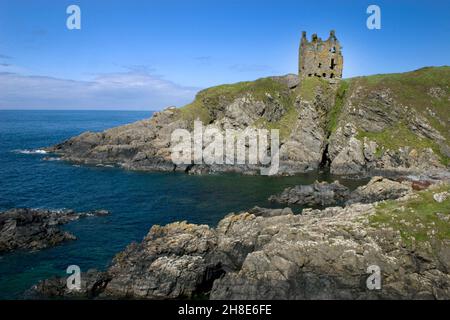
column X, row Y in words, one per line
column 274, row 254
column 393, row 123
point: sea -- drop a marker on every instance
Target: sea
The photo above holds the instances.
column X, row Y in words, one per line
column 29, row 178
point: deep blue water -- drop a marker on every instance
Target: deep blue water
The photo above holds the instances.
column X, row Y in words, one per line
column 137, row 200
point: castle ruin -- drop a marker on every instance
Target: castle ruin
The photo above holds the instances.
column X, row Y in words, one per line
column 322, row 59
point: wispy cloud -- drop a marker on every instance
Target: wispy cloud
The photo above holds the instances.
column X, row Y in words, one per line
column 133, row 89
column 4, row 56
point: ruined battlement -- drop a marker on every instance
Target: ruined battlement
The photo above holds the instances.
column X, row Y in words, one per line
column 322, row 59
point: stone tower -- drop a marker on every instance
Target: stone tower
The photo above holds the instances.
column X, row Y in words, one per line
column 318, row 58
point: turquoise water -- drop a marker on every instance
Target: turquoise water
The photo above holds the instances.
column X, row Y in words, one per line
column 137, row 200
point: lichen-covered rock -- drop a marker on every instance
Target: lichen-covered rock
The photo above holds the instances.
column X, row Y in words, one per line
column 325, row 254
column 379, row 189
column 441, row 197
column 265, row 254
column 330, row 194
column 92, row 283
column 319, row 193
column 379, row 130
column 171, row 262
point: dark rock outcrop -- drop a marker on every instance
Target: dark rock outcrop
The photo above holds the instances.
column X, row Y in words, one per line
column 92, row 283
column 35, row 229
column 319, row 193
column 329, row 194
column 319, row 254
column 379, row 189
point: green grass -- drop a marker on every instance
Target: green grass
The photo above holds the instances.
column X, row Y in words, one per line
column 196, row 110
column 418, row 220
column 210, row 102
column 399, row 136
column 412, row 89
column 285, row 124
column 309, row 86
column 409, row 89
column 336, row 110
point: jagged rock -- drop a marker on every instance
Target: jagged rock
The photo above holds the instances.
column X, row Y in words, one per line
column 329, row 194
column 379, row 189
column 303, row 112
column 264, row 212
column 92, row 283
column 35, row 229
column 267, row 254
column 319, row 193
column 304, row 149
column 325, row 255
column 350, row 160
column 171, row 262
column 377, row 112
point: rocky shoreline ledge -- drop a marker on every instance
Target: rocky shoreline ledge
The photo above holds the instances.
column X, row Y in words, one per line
column 36, row 229
column 275, row 254
column 326, row 194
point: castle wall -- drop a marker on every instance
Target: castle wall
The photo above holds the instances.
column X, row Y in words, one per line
column 318, row 58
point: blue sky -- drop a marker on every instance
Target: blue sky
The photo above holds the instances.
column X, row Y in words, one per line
column 147, row 55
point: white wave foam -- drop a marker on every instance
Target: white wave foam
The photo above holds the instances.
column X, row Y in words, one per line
column 31, row 151
column 104, row 165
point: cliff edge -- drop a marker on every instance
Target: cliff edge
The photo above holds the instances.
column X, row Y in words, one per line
column 392, row 123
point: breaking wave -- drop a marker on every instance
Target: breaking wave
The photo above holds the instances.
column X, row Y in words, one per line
column 31, row 151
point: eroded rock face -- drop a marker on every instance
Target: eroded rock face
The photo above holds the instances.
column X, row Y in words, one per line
column 142, row 145
column 303, row 150
column 300, row 262
column 93, row 283
column 319, row 193
column 329, row 194
column 35, row 229
column 401, row 129
column 171, row 262
column 379, row 189
column 303, row 113
column 273, row 254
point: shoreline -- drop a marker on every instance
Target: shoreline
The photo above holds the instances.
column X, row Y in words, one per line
column 186, row 260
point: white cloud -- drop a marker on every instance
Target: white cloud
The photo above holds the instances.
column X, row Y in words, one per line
column 134, row 89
